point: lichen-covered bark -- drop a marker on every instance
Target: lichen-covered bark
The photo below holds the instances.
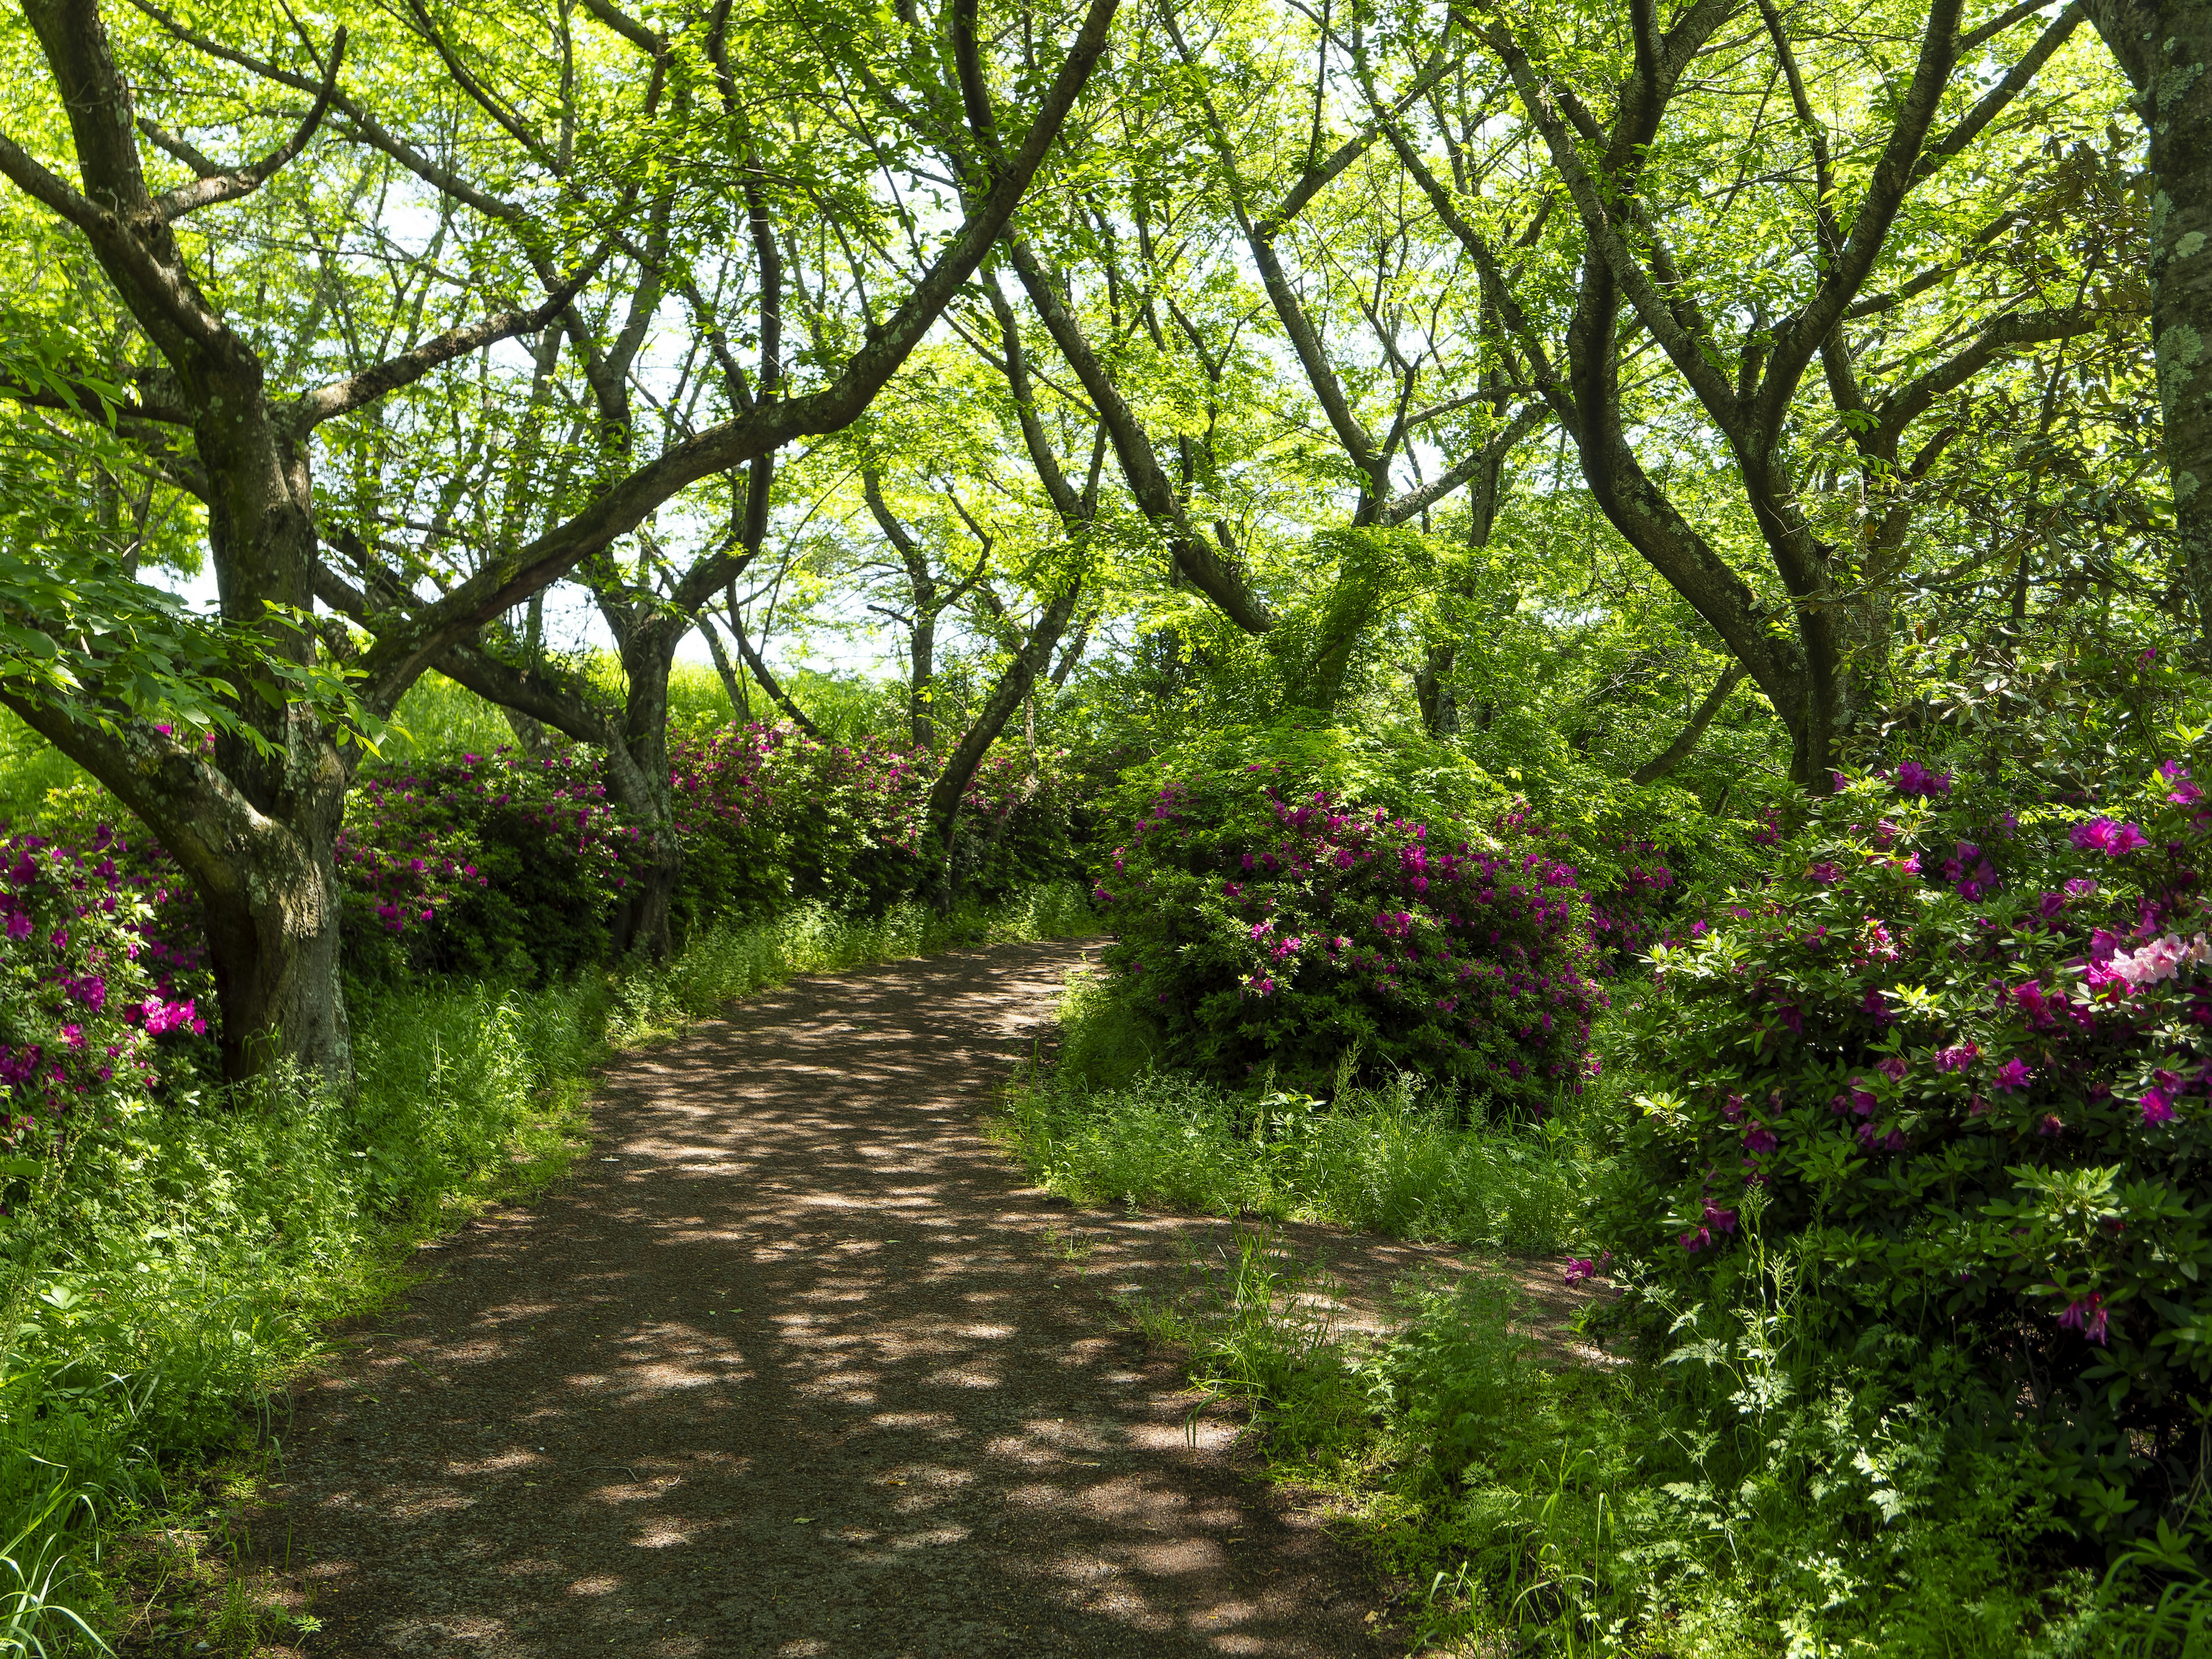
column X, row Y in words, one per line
column 2166, row 50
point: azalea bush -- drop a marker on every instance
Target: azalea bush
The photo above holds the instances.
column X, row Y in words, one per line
column 94, row 1004
column 1939, row 1088
column 1265, row 923
column 486, row 864
column 507, row 864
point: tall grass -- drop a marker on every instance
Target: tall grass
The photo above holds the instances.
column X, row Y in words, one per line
column 1105, row 1126
column 165, row 1280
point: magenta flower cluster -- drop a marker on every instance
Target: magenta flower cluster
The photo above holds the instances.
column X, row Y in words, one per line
column 1966, row 1051
column 1260, row 928
column 89, row 977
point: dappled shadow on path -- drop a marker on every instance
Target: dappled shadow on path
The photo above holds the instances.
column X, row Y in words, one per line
column 794, row 1369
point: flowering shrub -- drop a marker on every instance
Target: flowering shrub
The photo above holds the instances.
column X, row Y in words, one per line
column 488, row 863
column 89, row 992
column 501, row 863
column 1958, row 1058
column 1262, row 923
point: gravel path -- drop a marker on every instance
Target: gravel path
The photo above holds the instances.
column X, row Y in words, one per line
column 797, row 1366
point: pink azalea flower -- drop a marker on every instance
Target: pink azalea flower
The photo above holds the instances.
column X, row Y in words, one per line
column 2014, row 1074
column 2086, row 1315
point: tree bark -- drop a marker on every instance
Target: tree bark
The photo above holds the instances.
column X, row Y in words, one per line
column 2164, row 48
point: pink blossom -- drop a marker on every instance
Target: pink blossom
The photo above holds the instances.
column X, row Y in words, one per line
column 2086, row 1315
column 2156, row 1107
column 2014, row 1074
column 1957, row 1057
column 2161, row 959
column 2108, row 837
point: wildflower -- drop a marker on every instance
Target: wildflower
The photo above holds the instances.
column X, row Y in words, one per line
column 1579, row 1270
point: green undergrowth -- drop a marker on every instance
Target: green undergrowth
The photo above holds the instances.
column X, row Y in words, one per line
column 164, row 1281
column 1699, row 1498
column 1718, row 1486
column 1104, row 1124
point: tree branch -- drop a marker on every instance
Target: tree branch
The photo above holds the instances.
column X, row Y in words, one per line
column 210, row 188
column 1685, row 741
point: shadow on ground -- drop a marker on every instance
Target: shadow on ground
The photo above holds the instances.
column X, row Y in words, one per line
column 796, row 1367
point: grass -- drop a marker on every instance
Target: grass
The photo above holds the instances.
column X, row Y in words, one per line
column 1689, row 1503
column 1106, row 1126
column 163, row 1283
column 439, row 719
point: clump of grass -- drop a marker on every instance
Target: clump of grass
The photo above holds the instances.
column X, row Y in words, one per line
column 167, row 1280
column 1105, row 1126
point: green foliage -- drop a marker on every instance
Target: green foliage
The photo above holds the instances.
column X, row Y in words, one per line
column 1541, row 1505
column 1958, row 1062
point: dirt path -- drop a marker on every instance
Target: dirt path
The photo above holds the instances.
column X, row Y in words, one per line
column 794, row 1368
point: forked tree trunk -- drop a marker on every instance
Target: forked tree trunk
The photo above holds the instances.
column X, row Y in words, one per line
column 941, row 810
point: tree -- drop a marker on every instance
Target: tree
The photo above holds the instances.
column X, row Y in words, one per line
column 2164, row 48
column 253, row 815
column 1742, row 292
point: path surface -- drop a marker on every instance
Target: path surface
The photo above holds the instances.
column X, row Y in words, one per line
column 796, row 1367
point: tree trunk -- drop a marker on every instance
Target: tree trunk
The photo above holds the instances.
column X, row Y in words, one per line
column 273, row 930
column 638, row 775
column 2165, row 47
column 941, row 811
column 262, row 870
